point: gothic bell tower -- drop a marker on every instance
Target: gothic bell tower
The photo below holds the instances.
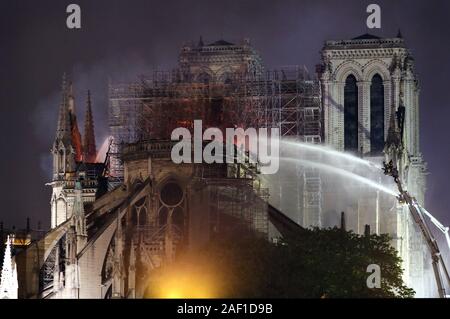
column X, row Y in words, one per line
column 63, row 150
column 64, row 158
column 370, row 96
column 72, row 161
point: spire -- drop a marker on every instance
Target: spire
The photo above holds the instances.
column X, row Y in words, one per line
column 76, row 136
column 200, row 42
column 90, row 151
column 63, row 130
column 8, row 281
column 71, row 97
column 71, row 103
column 399, row 34
column 63, row 150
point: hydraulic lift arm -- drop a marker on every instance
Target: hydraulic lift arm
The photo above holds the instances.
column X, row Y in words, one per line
column 416, row 212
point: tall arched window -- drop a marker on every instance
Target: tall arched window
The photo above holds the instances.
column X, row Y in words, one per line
column 376, row 114
column 351, row 114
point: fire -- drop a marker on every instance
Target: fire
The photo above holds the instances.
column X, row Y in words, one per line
column 185, row 281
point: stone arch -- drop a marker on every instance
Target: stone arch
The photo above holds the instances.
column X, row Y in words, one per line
column 204, row 75
column 95, row 252
column 55, row 253
column 141, row 208
column 376, row 67
column 204, row 78
column 59, row 234
column 224, row 74
column 346, row 68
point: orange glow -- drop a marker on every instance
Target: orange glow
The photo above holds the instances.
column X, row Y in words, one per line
column 186, row 281
column 185, row 285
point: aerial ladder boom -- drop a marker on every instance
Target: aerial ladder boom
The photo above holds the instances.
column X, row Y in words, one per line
column 417, row 214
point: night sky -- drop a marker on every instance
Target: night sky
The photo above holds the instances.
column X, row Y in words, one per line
column 121, row 39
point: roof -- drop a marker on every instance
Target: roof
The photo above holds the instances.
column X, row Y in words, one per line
column 220, row 43
column 366, row 36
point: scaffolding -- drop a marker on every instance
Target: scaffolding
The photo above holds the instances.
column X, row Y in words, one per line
column 287, row 99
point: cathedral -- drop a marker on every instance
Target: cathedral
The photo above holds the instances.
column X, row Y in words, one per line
column 114, row 222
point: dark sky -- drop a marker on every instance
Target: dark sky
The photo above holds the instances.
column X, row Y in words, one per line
column 121, row 39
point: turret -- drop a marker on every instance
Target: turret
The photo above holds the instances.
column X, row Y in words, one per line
column 62, row 150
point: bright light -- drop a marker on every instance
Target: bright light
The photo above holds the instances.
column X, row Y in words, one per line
column 185, row 282
column 186, row 286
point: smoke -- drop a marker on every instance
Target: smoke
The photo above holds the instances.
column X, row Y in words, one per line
column 101, row 152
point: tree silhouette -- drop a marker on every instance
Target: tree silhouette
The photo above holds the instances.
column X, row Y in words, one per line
column 317, row 263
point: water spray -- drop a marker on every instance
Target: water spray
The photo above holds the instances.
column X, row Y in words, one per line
column 330, row 151
column 344, row 173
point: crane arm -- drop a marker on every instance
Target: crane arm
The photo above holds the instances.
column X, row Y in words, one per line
column 416, row 212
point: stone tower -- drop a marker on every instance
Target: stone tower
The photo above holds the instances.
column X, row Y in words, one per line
column 63, row 150
column 68, row 164
column 370, row 96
